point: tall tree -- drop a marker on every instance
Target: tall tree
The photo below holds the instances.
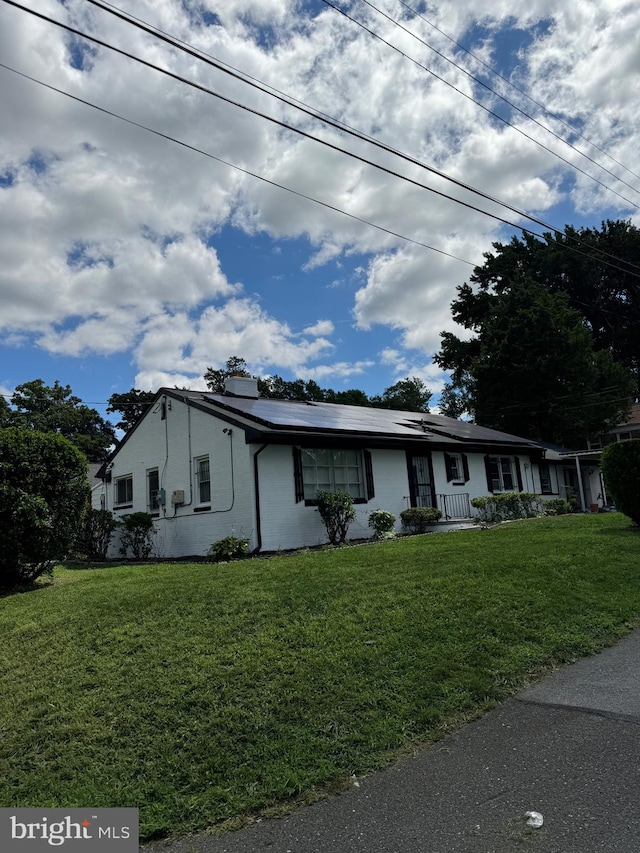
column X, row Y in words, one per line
column 235, row 366
column 131, row 405
column 601, row 280
column 54, row 408
column 408, row 395
column 531, row 368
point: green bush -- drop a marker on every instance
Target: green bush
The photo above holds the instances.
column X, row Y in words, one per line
column 43, row 495
column 229, row 548
column 418, row 519
column 382, row 522
column 337, row 512
column 557, row 506
column 508, row 506
column 621, row 470
column 95, row 536
column 136, row 535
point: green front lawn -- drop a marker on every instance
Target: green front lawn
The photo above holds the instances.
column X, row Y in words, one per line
column 201, row 693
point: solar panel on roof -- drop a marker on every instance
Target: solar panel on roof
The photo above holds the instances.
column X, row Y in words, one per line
column 334, row 417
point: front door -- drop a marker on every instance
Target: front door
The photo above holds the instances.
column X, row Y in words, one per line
column 421, row 481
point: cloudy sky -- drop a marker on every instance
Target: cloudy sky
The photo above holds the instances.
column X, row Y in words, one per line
column 128, row 259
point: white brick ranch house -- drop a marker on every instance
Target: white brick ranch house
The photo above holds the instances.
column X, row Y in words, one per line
column 207, row 466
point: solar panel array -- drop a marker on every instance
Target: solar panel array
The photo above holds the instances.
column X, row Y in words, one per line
column 333, row 417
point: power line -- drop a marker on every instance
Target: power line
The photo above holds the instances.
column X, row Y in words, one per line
column 482, row 106
column 113, row 10
column 506, row 80
column 324, row 142
column 238, row 168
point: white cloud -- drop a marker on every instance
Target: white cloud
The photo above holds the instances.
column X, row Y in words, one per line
column 108, row 235
column 322, row 327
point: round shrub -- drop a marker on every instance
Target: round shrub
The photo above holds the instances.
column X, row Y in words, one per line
column 621, row 470
column 43, row 495
column 229, row 548
column 382, row 522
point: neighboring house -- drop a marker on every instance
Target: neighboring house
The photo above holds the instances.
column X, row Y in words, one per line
column 573, row 475
column 207, row 466
column 630, row 429
column 96, row 485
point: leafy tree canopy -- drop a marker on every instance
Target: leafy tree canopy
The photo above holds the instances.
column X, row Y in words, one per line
column 131, row 405
column 408, row 395
column 55, row 409
column 604, row 290
column 531, row 369
column 44, row 491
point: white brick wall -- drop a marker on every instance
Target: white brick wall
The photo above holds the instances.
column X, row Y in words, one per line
column 172, row 444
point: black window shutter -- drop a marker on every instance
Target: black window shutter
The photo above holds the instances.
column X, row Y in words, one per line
column 448, row 464
column 487, row 465
column 297, row 474
column 465, row 467
column 518, row 474
column 368, row 474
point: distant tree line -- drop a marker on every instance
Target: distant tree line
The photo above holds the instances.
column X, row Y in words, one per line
column 409, row 394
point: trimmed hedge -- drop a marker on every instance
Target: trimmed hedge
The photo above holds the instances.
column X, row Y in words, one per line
column 419, row 519
column 508, row 506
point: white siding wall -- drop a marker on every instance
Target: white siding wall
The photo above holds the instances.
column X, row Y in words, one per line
column 287, row 524
column 164, row 444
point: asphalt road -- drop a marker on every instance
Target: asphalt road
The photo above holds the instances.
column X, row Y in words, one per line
column 568, row 749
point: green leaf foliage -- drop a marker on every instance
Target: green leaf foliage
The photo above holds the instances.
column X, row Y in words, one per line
column 419, row 519
column 229, row 548
column 337, row 513
column 508, row 506
column 382, row 523
column 136, row 535
column 531, row 369
column 606, row 295
column 95, row 536
column 43, row 494
column 55, row 409
column 621, row 470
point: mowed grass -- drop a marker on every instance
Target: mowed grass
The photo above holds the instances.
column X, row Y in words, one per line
column 203, row 693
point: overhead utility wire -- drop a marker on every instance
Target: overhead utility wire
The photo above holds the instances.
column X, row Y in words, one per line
column 336, row 147
column 286, row 99
column 233, row 166
column 506, row 80
column 303, row 133
column 511, row 104
column 310, row 112
column 482, row 106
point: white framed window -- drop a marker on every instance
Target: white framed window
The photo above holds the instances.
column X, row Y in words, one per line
column 328, row 470
column 203, row 479
column 501, row 474
column 123, row 487
column 153, row 490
